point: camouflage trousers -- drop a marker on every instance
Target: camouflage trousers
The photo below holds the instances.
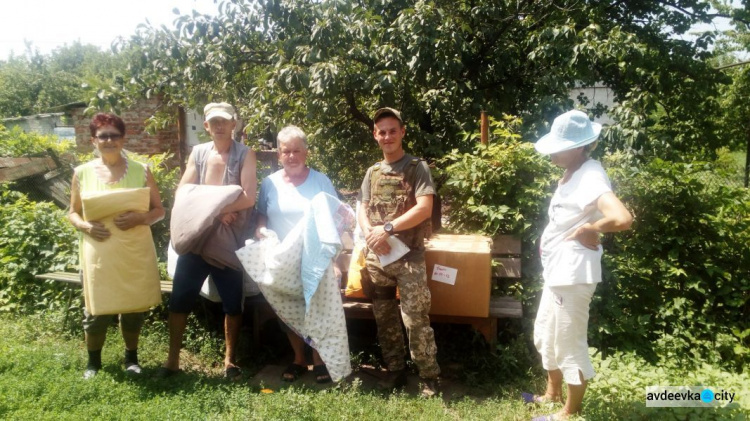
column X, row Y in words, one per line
column 411, row 279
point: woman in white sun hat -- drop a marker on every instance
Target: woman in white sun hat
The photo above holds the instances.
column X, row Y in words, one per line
column 582, row 207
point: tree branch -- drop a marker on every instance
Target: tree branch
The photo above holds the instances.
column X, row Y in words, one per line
column 355, row 112
column 727, row 66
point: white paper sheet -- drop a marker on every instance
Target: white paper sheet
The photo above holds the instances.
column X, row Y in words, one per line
column 444, row 274
column 398, row 250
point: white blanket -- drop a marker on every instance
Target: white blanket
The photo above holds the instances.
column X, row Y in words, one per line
column 278, row 268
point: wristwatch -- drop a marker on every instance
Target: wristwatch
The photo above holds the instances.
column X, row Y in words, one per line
column 388, row 228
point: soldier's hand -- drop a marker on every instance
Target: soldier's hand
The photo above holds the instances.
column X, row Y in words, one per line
column 377, row 241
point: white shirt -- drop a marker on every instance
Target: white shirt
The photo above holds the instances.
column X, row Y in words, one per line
column 285, row 204
column 573, row 205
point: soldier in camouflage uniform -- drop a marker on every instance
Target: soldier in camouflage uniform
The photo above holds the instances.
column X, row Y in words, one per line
column 397, row 196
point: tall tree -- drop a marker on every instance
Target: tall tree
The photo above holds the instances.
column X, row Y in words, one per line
column 34, row 83
column 327, row 65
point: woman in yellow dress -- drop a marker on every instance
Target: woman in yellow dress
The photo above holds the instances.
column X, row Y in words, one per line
column 111, row 171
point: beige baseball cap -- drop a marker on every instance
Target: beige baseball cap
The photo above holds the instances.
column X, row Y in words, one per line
column 218, row 109
column 387, row 112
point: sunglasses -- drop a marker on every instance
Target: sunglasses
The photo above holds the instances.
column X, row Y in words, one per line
column 109, row 136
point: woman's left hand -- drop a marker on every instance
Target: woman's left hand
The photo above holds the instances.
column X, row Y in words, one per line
column 129, row 220
column 586, row 236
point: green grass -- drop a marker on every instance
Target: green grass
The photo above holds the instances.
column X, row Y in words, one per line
column 41, row 367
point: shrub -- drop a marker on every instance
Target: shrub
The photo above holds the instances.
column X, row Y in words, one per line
column 501, row 188
column 677, row 283
column 15, row 142
column 36, row 238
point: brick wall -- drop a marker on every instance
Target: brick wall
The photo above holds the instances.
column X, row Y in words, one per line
column 136, row 137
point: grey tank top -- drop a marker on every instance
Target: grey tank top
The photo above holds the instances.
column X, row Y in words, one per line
column 237, row 154
column 240, row 227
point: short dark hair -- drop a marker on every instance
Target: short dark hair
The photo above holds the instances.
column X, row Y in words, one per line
column 106, row 119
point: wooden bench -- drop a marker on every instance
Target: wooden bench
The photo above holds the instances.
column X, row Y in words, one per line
column 506, row 257
column 260, row 309
column 74, row 279
column 505, row 251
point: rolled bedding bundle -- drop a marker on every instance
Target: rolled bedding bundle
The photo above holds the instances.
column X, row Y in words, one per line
column 120, row 274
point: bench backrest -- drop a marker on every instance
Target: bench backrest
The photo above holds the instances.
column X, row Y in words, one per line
column 506, row 256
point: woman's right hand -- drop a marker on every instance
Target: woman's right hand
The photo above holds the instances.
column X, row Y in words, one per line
column 260, row 233
column 96, row 230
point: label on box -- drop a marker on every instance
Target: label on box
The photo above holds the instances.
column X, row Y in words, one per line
column 444, row 274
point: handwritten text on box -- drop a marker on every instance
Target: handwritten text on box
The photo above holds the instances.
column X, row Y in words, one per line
column 444, row 274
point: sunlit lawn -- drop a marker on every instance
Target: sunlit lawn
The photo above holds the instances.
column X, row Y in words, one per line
column 41, row 366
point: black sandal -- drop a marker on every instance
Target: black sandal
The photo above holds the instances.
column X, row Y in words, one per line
column 321, row 374
column 292, row 372
column 232, row 372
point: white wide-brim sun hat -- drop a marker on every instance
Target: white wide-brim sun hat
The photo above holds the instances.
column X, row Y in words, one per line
column 569, row 131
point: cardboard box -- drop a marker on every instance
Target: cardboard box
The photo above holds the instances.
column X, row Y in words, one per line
column 470, row 257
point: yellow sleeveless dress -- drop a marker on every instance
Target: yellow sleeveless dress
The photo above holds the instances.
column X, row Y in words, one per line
column 120, row 274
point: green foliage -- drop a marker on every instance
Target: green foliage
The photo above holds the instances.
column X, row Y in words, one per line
column 681, row 275
column 15, row 143
column 36, row 238
column 34, row 83
column 500, row 188
column 327, row 65
column 735, row 122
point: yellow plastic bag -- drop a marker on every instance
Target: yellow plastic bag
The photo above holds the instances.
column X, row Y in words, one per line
column 120, row 274
column 355, row 285
column 354, row 279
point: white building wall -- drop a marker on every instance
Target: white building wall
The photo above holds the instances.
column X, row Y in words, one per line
column 194, row 132
column 596, row 94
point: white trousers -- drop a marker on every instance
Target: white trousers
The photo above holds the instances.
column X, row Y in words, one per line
column 560, row 330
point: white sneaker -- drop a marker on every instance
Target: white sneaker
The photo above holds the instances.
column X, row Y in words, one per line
column 133, row 369
column 90, row 373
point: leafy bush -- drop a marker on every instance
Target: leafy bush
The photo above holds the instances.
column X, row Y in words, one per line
column 36, row 238
column 501, row 188
column 15, row 142
column 677, row 283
